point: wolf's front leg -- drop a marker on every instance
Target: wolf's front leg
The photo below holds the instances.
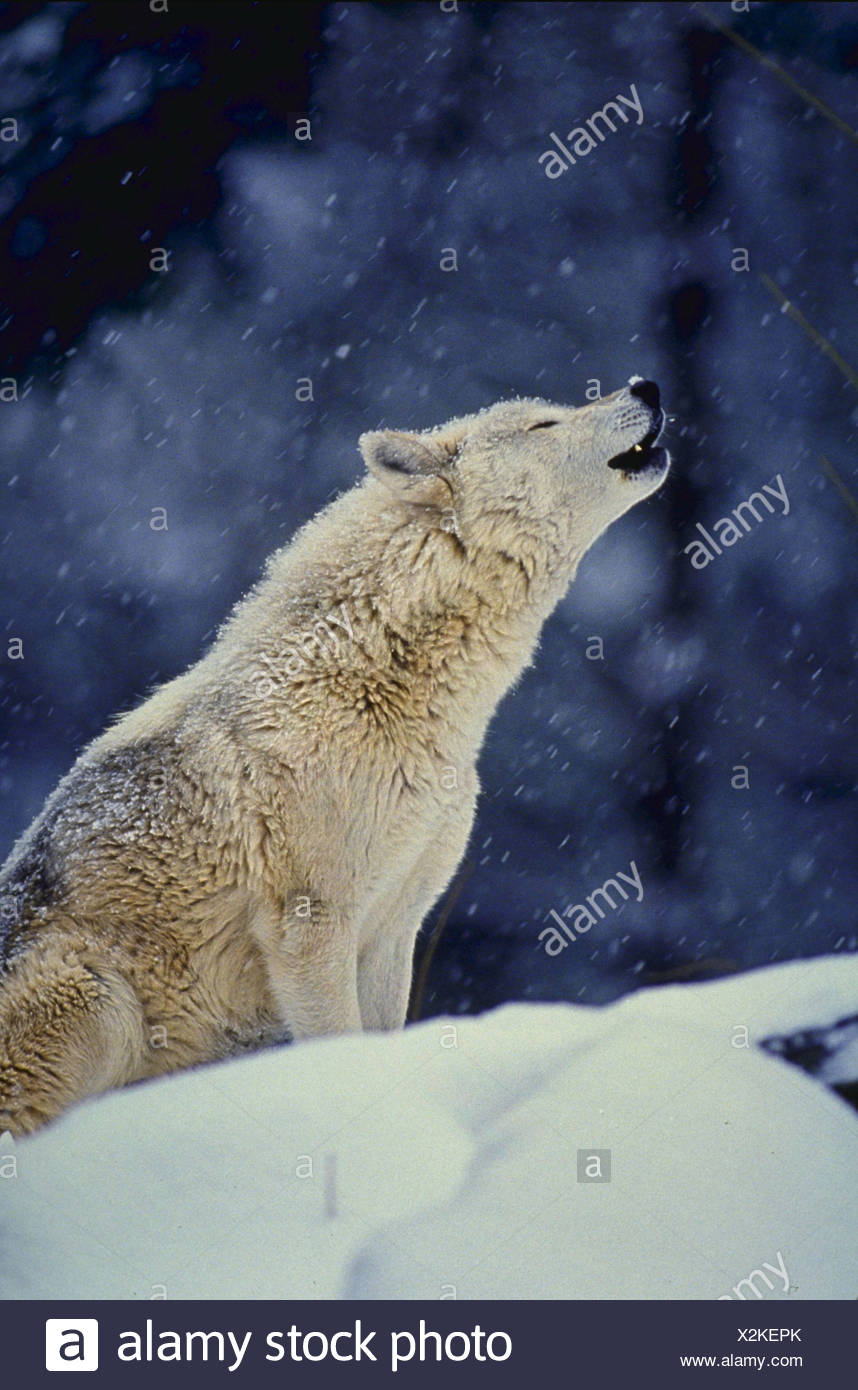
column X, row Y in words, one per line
column 386, row 960
column 311, row 960
column 384, row 981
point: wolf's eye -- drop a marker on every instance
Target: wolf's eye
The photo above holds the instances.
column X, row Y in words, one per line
column 543, row 425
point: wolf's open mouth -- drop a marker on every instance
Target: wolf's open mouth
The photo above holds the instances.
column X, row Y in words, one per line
column 643, row 455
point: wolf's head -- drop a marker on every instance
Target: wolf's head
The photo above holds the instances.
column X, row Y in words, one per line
column 535, row 482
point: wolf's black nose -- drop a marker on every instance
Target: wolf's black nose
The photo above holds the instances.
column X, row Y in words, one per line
column 648, row 392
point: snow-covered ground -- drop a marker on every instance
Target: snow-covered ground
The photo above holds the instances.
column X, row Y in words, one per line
column 443, row 1162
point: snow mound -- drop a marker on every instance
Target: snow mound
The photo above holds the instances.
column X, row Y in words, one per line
column 648, row 1149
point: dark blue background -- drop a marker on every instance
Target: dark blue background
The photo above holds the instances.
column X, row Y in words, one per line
column 321, row 259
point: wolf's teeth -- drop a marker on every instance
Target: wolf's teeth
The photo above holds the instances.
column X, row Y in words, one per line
column 637, row 449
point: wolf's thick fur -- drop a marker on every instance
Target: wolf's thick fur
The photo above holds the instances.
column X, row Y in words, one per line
column 249, row 854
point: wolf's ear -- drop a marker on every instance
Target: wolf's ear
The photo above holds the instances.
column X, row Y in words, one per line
column 411, row 465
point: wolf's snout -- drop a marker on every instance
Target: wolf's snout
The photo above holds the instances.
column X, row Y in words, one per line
column 643, row 459
column 646, row 391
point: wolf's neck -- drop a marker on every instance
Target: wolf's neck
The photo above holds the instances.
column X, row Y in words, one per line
column 459, row 629
column 418, row 624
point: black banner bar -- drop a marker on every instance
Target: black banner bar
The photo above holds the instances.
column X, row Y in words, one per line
column 201, row 1343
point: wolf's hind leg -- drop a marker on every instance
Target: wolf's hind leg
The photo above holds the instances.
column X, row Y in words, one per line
column 66, row 1032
